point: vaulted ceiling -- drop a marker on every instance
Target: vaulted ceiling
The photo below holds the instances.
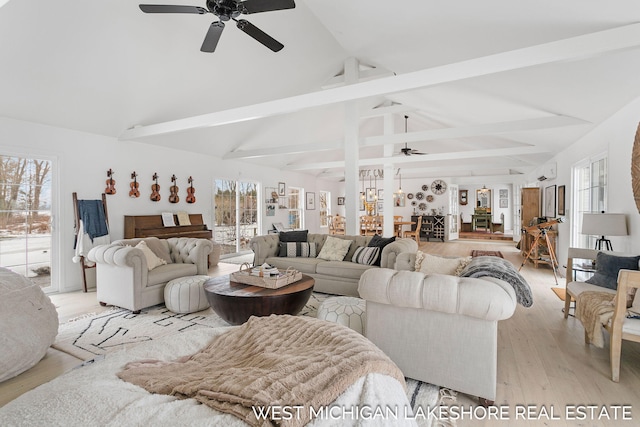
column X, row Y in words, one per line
column 493, row 89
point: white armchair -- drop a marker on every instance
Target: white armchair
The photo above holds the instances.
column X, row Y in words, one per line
column 124, row 279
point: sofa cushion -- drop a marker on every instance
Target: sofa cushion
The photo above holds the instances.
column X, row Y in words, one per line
column 380, row 242
column 607, row 268
column 152, row 260
column 160, row 247
column 432, row 264
column 303, row 265
column 342, row 269
column 366, row 255
column 167, row 272
column 293, row 236
column 334, row 249
column 297, row 249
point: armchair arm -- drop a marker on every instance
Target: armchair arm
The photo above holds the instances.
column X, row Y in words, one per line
column 406, row 261
column 118, row 255
column 393, row 249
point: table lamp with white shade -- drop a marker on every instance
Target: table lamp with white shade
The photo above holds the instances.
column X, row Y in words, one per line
column 604, row 224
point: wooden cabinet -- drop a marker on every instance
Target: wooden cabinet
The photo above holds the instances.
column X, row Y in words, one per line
column 529, row 209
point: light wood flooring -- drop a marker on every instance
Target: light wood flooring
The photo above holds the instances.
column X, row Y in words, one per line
column 542, row 358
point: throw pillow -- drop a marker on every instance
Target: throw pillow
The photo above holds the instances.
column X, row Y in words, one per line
column 159, row 248
column 297, row 249
column 365, row 255
column 293, row 236
column 607, row 268
column 432, row 264
column 152, row 260
column 380, row 242
column 334, row 249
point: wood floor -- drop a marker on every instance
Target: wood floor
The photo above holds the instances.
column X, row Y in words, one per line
column 542, row 358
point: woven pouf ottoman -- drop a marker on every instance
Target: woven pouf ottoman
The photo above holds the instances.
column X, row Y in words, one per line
column 347, row 311
column 186, row 294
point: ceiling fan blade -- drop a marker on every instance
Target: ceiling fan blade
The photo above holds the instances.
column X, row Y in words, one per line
column 260, row 35
column 256, row 6
column 213, row 36
column 167, row 8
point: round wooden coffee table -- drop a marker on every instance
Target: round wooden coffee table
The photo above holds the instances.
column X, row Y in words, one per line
column 235, row 302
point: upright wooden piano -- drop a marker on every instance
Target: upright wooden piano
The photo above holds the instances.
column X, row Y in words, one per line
column 152, row 226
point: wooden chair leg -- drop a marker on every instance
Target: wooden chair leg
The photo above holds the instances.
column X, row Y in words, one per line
column 615, row 346
column 567, row 304
column 586, row 337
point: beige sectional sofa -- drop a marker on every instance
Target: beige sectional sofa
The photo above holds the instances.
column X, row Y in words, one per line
column 332, row 277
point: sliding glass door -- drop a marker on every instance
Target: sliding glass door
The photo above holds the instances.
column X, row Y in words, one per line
column 25, row 218
column 236, row 214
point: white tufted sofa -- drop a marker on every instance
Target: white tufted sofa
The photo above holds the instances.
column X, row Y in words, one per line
column 437, row 328
column 123, row 278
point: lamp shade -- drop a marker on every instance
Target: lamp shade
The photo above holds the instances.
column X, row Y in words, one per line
column 604, row 224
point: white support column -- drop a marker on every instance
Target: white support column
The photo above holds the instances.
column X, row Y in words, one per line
column 387, row 226
column 351, row 153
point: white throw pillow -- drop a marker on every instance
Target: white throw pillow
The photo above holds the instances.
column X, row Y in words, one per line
column 432, row 264
column 152, row 260
column 334, row 249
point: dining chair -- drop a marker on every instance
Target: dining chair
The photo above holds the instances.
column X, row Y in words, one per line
column 415, row 233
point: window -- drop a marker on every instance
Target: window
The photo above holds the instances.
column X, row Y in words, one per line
column 25, row 218
column 296, row 208
column 236, row 214
column 589, row 196
column 325, row 208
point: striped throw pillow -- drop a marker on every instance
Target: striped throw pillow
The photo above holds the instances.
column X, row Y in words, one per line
column 365, row 255
column 297, row 249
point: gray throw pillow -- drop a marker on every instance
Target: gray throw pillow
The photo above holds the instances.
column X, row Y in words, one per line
column 607, row 268
column 293, row 236
column 297, row 249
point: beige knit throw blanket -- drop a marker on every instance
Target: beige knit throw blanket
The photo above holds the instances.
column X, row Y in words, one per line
column 268, row 361
column 594, row 309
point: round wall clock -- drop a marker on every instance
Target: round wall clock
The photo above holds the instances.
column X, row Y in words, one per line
column 438, row 186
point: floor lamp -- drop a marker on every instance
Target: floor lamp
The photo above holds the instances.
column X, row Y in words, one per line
column 604, row 224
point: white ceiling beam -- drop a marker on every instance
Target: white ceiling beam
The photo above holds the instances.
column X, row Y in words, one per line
column 457, row 155
column 363, row 76
column 442, row 170
column 475, row 130
column 587, row 45
column 283, row 150
column 428, row 135
column 392, row 109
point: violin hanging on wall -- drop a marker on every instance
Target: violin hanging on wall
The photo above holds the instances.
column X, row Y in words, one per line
column 190, row 190
column 155, row 189
column 174, row 198
column 134, row 192
column 111, row 183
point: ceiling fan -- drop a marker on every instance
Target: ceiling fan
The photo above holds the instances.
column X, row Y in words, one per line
column 227, row 10
column 406, row 150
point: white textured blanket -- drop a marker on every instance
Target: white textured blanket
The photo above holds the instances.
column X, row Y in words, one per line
column 93, row 395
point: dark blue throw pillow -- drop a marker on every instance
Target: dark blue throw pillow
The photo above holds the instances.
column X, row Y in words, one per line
column 380, row 242
column 293, row 236
column 607, row 268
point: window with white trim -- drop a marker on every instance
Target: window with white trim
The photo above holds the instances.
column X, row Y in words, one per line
column 589, row 195
column 296, row 208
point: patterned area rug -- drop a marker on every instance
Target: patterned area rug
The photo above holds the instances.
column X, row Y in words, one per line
column 475, row 253
column 118, row 328
column 91, row 336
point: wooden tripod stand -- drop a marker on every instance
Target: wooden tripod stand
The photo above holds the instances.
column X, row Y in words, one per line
column 552, row 255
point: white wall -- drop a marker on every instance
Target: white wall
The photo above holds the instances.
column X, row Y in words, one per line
column 615, row 136
column 83, row 160
column 468, row 209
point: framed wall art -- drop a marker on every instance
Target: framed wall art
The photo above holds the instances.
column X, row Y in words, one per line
column 340, row 201
column 550, row 201
column 311, row 201
column 281, row 189
column 561, row 210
